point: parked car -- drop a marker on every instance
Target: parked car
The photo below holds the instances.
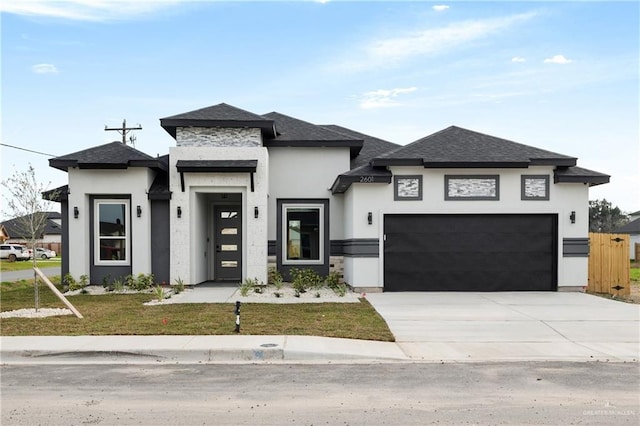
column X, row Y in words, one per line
column 43, row 253
column 13, row 252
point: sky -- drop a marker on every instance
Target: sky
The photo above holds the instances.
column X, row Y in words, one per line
column 562, row 76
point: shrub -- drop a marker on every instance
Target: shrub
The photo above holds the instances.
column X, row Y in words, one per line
column 304, row 279
column 179, row 286
column 159, row 292
column 333, row 280
column 247, row 285
column 142, row 282
column 275, row 278
column 118, row 284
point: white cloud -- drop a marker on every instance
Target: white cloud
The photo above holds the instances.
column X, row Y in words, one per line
column 86, row 10
column 440, row 7
column 431, row 41
column 44, row 69
column 518, row 59
column 557, row 59
column 383, row 98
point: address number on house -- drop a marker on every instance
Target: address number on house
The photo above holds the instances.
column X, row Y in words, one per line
column 366, row 179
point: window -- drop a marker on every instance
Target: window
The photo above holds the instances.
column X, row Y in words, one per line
column 535, row 187
column 408, row 188
column 111, row 242
column 303, row 233
column 472, row 187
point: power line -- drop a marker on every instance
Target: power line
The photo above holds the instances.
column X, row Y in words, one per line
column 28, row 150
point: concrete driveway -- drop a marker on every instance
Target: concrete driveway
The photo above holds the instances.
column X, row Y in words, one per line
column 511, row 326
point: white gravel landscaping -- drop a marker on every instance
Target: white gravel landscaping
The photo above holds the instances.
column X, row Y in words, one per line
column 31, row 313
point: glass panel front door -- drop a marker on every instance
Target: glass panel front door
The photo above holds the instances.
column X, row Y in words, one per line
column 228, row 242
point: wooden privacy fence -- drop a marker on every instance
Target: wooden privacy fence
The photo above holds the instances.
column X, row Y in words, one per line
column 609, row 264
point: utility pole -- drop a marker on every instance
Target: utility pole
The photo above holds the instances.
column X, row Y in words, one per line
column 124, row 130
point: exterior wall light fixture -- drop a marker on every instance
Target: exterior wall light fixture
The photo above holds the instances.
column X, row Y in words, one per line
column 139, row 211
column 179, row 212
column 256, row 212
column 370, row 218
column 76, row 212
column 572, row 217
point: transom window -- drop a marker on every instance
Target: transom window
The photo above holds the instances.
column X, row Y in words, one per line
column 112, row 232
column 303, row 233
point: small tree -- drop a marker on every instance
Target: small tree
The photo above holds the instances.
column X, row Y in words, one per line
column 29, row 209
column 603, row 217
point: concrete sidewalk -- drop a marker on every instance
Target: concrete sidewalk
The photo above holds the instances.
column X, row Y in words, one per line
column 429, row 327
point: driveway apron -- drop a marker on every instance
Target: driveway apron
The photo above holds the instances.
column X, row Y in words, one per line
column 511, row 326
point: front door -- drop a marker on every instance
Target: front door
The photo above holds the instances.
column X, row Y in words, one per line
column 228, row 242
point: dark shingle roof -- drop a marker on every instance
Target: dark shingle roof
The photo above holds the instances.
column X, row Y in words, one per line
column 15, row 227
column 294, row 132
column 221, row 115
column 579, row 175
column 114, row 155
column 372, row 147
column 632, row 227
column 458, row 147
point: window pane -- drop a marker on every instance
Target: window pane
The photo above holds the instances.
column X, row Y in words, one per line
column 229, row 231
column 112, row 219
column 229, row 263
column 112, row 249
column 229, row 247
column 303, row 234
column 228, row 215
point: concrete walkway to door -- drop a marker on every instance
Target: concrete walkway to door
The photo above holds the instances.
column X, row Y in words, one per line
column 511, row 326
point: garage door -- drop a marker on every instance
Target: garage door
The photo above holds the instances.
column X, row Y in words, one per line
column 470, row 252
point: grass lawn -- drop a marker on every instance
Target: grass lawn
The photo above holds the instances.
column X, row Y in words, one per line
column 635, row 274
column 22, row 265
column 114, row 314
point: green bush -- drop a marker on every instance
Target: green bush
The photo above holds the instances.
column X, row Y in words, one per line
column 247, row 285
column 275, row 278
column 304, row 279
column 142, row 282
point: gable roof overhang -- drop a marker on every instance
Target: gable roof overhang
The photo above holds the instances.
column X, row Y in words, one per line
column 57, row 195
column 579, row 175
column 364, row 174
column 216, row 166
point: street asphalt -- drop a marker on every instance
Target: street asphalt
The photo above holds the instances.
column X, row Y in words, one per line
column 10, row 276
column 428, row 327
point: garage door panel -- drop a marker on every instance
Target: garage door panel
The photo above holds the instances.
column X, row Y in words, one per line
column 470, row 252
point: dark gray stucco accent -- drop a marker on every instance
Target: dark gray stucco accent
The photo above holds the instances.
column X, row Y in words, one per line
column 100, row 273
column 362, row 247
column 323, row 268
column 271, row 247
column 160, row 241
column 64, row 212
column 575, row 247
column 337, row 248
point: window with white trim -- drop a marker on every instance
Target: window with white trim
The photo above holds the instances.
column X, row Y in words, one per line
column 303, row 234
column 111, row 228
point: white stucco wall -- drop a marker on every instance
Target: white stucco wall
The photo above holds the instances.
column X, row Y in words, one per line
column 379, row 199
column 134, row 182
column 307, row 173
column 188, row 236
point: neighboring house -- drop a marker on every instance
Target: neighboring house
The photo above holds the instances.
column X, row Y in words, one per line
column 50, row 238
column 633, row 229
column 4, row 235
column 454, row 211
